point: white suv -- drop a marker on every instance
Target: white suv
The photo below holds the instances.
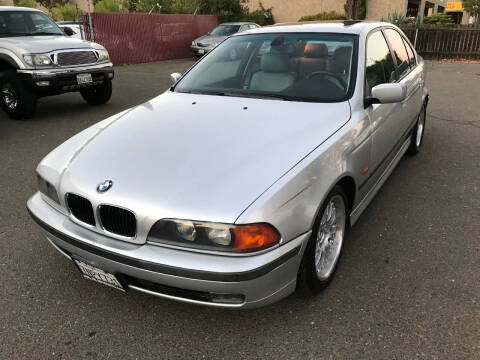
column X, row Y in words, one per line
column 38, row 59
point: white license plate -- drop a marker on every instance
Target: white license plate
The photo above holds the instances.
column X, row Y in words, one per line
column 201, row 52
column 84, row 79
column 93, row 273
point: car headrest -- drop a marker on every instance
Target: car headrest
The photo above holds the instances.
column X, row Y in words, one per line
column 341, row 57
column 315, row 50
column 274, row 62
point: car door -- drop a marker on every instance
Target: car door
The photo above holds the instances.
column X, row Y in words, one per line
column 409, row 74
column 385, row 119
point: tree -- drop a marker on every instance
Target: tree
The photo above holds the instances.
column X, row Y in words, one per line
column 65, row 12
column 473, row 8
column 25, row 3
column 356, row 9
column 108, row 6
column 226, row 10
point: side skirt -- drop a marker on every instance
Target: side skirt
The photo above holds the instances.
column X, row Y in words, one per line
column 381, row 180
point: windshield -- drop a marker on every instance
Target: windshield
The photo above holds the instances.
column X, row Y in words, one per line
column 294, row 66
column 27, row 23
column 225, row 30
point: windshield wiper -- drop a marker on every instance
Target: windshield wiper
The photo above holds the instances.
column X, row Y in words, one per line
column 13, row 34
column 257, row 95
column 45, row 33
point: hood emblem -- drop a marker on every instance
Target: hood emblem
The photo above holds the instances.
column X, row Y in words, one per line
column 104, row 186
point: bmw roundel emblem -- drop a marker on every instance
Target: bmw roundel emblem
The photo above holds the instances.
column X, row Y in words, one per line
column 104, row 186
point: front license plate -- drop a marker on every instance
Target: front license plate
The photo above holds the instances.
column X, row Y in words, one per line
column 98, row 275
column 84, row 79
column 201, row 52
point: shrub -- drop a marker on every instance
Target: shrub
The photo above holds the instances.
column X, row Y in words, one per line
column 398, row 18
column 439, row 18
column 332, row 15
column 226, row 10
column 65, row 12
column 25, row 3
column 109, row 6
column 261, row 16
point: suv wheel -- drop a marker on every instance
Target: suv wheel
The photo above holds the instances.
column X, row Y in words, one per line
column 18, row 102
column 98, row 95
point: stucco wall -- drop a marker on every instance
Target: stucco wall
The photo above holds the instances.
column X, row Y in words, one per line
column 378, row 9
column 6, row 2
column 292, row 10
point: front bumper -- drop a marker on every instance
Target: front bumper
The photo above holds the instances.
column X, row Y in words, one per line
column 45, row 82
column 257, row 280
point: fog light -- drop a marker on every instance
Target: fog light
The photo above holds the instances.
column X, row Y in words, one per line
column 228, row 298
column 43, row 83
column 219, row 235
column 186, row 230
column 110, row 75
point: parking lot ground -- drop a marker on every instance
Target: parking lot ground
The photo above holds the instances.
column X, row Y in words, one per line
column 408, row 285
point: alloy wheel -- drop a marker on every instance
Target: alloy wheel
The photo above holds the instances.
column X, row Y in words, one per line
column 9, row 97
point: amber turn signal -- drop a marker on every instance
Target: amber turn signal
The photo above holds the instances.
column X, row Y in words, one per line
column 255, row 237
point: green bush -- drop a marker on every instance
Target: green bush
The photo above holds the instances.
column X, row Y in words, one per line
column 226, row 10
column 398, row 18
column 438, row 18
column 25, row 3
column 332, row 15
column 261, row 16
column 65, row 12
column 109, row 6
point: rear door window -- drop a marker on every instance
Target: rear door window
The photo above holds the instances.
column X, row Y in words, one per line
column 398, row 48
column 411, row 53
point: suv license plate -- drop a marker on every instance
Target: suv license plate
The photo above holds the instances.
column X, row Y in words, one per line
column 84, row 79
column 93, row 273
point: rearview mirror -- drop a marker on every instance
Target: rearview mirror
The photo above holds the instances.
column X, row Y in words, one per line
column 175, row 77
column 68, row 31
column 387, row 94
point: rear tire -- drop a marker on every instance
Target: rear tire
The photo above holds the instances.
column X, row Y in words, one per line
column 98, row 95
column 324, row 248
column 17, row 101
column 418, row 132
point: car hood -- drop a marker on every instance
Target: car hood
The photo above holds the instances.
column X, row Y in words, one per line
column 199, row 157
column 210, row 40
column 44, row 44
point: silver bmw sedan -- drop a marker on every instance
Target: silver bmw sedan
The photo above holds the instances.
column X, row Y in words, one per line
column 239, row 182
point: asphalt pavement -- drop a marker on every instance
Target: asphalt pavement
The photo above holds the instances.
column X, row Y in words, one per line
column 408, row 285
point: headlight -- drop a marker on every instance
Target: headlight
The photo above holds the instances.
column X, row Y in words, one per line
column 37, row 60
column 210, row 236
column 103, row 55
column 193, row 43
column 47, row 189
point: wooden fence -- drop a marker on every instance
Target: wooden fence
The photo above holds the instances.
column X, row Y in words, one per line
column 445, row 41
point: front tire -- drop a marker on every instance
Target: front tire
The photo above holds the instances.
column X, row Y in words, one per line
column 325, row 245
column 418, row 132
column 98, row 95
column 17, row 101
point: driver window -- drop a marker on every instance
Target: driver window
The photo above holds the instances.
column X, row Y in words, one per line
column 380, row 68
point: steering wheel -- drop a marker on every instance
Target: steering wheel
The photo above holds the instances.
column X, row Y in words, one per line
column 329, row 74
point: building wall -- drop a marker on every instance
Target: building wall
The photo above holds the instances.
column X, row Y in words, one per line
column 378, row 9
column 6, row 2
column 293, row 10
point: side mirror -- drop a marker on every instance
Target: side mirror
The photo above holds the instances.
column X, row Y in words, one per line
column 387, row 94
column 175, row 77
column 68, row 31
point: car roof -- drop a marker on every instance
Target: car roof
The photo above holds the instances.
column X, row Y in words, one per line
column 17, row 8
column 342, row 27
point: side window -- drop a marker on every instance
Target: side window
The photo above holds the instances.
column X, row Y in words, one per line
column 380, row 68
column 411, row 54
column 398, row 47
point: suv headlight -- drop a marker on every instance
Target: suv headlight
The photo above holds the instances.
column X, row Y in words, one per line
column 37, row 60
column 211, row 236
column 103, row 55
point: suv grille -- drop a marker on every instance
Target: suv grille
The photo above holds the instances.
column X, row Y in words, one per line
column 81, row 208
column 118, row 221
column 76, row 58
